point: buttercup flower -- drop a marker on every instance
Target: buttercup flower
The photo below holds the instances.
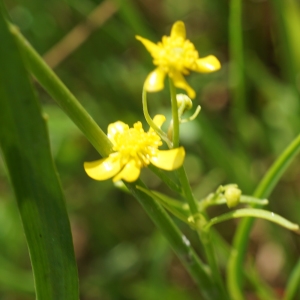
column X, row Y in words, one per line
column 134, row 148
column 176, row 56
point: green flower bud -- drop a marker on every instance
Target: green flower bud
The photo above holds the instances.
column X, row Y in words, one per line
column 232, row 195
column 184, row 101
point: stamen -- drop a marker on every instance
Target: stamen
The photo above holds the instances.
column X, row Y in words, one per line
column 176, row 54
column 136, row 144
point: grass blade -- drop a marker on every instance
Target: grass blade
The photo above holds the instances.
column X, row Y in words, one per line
column 241, row 238
column 26, row 152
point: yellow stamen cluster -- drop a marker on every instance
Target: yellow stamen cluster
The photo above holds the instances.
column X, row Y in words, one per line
column 176, row 53
column 134, row 143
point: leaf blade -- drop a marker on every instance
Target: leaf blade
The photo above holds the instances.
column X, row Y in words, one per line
column 26, row 152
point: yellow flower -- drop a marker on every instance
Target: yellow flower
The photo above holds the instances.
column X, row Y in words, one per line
column 134, row 148
column 176, row 56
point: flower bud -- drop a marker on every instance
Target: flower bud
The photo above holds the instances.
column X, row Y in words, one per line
column 232, row 195
column 185, row 101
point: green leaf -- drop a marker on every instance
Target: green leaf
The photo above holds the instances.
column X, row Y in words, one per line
column 178, row 241
column 241, row 238
column 26, row 152
column 177, row 208
column 293, row 283
column 61, row 94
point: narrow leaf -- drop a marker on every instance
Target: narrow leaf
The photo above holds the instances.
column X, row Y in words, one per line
column 26, row 152
column 177, row 208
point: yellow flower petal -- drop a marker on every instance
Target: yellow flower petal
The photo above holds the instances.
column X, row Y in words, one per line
column 178, row 30
column 103, row 169
column 130, row 172
column 181, row 83
column 176, row 56
column 207, row 64
column 155, row 80
column 117, row 127
column 169, row 159
column 159, row 120
column 150, row 46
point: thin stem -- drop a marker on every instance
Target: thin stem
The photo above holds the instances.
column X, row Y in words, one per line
column 193, row 116
column 150, row 121
column 241, row 238
column 289, row 65
column 237, row 79
column 253, row 212
column 175, row 117
column 60, row 93
column 180, row 244
column 293, row 283
column 185, row 185
column 211, row 257
column 204, row 236
column 278, row 168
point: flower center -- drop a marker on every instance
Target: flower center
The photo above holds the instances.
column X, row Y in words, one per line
column 176, row 53
column 135, row 143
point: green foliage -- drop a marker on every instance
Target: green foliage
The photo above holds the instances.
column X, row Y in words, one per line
column 244, row 126
column 26, row 152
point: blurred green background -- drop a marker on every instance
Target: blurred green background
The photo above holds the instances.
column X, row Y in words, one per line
column 92, row 47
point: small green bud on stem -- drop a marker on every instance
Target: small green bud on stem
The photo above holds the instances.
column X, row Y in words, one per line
column 232, row 195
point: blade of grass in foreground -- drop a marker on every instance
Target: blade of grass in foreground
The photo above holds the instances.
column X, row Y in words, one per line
column 26, row 152
column 241, row 238
column 62, row 95
column 237, row 70
column 293, row 283
column 289, row 62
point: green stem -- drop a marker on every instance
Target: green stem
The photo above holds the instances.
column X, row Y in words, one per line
column 241, row 238
column 211, row 258
column 237, row 57
column 192, row 117
column 60, row 93
column 289, row 65
column 273, row 175
column 204, row 236
column 179, row 243
column 185, row 185
column 256, row 213
column 175, row 117
column 150, row 121
column 293, row 283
